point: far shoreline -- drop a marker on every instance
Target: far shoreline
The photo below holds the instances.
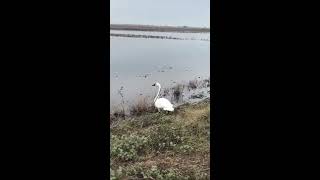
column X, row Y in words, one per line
column 137, row 27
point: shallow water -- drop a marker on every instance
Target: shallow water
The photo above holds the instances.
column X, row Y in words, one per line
column 136, row 63
column 189, row 36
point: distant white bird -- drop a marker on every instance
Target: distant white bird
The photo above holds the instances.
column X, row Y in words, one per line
column 162, row 103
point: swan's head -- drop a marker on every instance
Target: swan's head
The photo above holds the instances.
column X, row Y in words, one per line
column 156, row 84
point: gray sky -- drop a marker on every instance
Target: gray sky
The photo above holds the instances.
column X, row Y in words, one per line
column 161, row 12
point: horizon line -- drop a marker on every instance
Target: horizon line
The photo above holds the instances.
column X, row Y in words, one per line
column 160, row 25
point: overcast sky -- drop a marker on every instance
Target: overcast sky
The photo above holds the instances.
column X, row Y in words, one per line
column 161, row 12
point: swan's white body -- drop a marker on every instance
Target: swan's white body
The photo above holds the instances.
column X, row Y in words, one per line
column 162, row 103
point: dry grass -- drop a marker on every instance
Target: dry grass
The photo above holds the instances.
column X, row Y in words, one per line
column 192, row 114
column 117, row 113
column 142, row 106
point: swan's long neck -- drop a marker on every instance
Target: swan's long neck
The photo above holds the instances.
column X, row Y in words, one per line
column 157, row 94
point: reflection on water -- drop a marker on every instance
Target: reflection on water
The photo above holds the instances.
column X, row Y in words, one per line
column 137, row 63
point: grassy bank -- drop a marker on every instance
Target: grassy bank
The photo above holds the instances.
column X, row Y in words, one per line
column 162, row 146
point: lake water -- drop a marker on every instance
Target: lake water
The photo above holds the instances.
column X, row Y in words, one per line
column 136, row 63
column 190, row 36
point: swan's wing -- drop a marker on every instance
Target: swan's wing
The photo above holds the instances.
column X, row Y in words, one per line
column 163, row 102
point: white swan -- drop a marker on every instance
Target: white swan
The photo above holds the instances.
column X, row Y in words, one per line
column 162, row 103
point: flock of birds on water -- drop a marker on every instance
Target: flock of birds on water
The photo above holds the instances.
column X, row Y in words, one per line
column 161, row 70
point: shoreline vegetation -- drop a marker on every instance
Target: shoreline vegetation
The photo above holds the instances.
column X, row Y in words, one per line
column 152, row 36
column 181, row 29
column 162, row 145
column 180, row 93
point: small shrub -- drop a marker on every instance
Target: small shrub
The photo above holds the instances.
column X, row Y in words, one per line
column 186, row 148
column 142, row 106
column 118, row 113
column 112, row 118
column 193, row 84
column 139, row 172
column 166, row 92
column 177, row 92
column 126, row 148
column 165, row 137
column 122, row 101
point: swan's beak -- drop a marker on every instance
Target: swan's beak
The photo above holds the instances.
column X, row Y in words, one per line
column 153, row 84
